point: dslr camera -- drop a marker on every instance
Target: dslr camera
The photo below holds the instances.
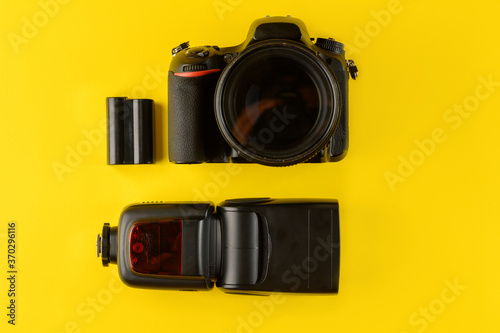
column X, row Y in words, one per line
column 279, row 98
column 252, row 246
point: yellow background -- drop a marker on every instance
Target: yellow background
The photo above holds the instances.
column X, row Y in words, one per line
column 401, row 246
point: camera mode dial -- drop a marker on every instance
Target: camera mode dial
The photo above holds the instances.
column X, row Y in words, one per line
column 330, row 44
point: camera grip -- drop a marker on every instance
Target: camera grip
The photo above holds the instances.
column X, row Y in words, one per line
column 340, row 139
column 190, row 102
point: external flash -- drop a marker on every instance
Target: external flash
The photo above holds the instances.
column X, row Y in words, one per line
column 244, row 246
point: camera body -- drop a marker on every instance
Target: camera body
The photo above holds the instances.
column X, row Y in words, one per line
column 276, row 99
column 245, row 246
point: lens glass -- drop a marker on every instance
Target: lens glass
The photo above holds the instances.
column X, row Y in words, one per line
column 278, row 103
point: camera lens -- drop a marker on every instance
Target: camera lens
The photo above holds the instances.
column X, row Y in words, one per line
column 277, row 103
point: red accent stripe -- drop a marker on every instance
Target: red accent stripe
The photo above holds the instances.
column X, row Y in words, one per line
column 197, row 73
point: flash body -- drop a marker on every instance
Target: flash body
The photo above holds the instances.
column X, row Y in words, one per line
column 243, row 246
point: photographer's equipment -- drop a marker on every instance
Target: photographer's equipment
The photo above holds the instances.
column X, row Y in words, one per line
column 276, row 99
column 249, row 246
column 130, row 131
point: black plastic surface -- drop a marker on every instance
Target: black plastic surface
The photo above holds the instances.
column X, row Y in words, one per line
column 113, row 245
column 240, row 248
column 277, row 30
column 130, row 131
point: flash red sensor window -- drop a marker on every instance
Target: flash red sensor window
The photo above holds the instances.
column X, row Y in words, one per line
column 156, row 247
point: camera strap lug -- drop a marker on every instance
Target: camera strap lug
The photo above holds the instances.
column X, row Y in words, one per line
column 353, row 70
column 179, row 48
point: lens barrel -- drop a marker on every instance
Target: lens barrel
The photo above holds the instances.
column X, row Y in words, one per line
column 277, row 103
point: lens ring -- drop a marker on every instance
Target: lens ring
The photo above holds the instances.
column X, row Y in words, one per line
column 312, row 68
